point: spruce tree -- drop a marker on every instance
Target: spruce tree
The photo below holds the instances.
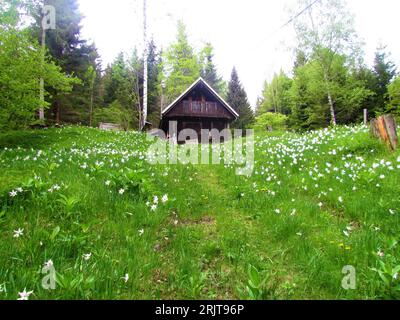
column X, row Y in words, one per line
column 384, row 71
column 181, row 66
column 301, row 60
column 208, row 70
column 73, row 54
column 300, row 114
column 116, row 83
column 365, row 75
column 237, row 99
column 154, row 87
column 122, row 89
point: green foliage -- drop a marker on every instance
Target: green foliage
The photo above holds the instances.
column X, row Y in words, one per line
column 384, row 71
column 122, row 89
column 237, row 99
column 117, row 83
column 325, row 33
column 270, row 121
column 21, row 69
column 89, row 82
column 74, row 55
column 330, row 84
column 276, row 95
column 365, row 75
column 310, row 106
column 181, row 66
column 68, row 203
column 257, row 287
column 394, row 97
column 208, row 69
column 388, row 269
column 154, row 61
column 187, row 248
column 73, row 99
column 131, row 182
column 115, row 113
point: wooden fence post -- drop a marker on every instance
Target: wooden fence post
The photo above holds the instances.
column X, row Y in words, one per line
column 384, row 127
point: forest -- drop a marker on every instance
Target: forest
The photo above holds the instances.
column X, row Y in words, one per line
column 329, row 83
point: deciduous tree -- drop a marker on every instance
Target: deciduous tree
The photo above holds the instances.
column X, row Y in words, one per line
column 21, row 68
column 323, row 32
column 276, row 95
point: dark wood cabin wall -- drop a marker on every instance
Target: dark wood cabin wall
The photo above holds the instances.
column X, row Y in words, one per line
column 185, row 109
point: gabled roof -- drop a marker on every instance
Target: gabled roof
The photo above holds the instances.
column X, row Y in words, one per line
column 217, row 96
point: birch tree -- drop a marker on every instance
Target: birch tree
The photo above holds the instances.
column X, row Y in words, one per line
column 325, row 30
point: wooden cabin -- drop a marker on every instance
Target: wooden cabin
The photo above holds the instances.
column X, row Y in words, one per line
column 199, row 107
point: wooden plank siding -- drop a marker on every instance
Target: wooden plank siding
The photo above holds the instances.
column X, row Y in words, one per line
column 110, row 127
column 202, row 109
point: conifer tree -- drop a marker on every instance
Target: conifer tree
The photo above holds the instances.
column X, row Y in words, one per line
column 73, row 54
column 276, row 95
column 154, row 88
column 384, row 72
column 208, row 69
column 181, row 66
column 237, row 99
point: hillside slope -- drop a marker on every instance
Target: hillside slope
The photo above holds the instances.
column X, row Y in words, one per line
column 116, row 227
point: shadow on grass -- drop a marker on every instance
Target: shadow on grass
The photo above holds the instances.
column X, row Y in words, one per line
column 37, row 139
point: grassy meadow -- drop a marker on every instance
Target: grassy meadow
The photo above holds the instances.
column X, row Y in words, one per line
column 115, row 227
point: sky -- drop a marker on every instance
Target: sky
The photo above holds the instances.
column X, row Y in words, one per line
column 245, row 34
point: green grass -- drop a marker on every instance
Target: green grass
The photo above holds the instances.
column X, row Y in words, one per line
column 279, row 234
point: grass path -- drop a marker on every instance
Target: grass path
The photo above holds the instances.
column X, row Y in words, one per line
column 246, row 240
column 234, row 240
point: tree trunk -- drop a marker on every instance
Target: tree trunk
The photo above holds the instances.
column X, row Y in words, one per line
column 332, row 108
column 330, row 100
column 91, row 109
column 57, row 113
column 145, row 66
column 41, row 109
column 139, row 106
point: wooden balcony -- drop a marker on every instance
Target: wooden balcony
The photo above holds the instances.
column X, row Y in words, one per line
column 199, row 109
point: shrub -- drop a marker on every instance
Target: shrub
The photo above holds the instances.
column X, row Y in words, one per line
column 394, row 97
column 117, row 114
column 271, row 122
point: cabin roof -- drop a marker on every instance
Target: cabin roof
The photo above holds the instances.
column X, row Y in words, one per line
column 210, row 89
